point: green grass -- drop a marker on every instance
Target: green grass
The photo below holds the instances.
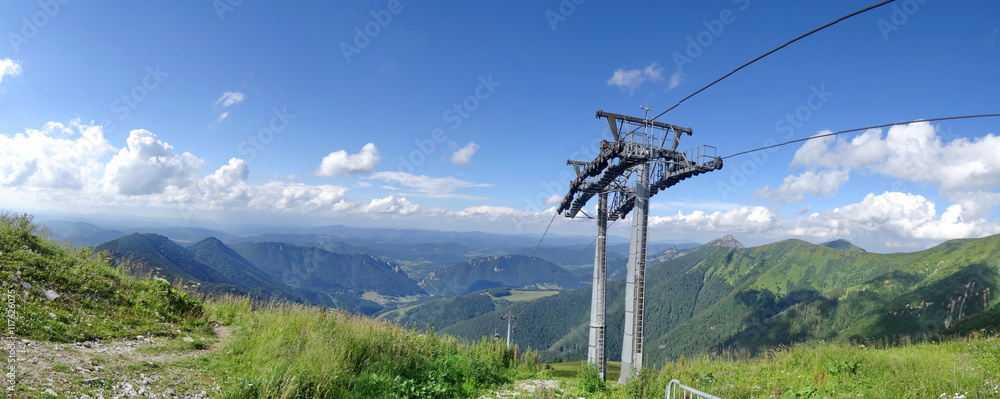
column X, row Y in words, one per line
column 291, row 351
column 65, row 295
column 275, row 350
column 968, row 366
column 522, row 295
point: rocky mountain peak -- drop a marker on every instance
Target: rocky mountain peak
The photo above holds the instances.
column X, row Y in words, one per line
column 725, row 241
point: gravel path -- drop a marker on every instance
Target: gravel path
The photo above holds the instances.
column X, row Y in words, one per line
column 113, row 369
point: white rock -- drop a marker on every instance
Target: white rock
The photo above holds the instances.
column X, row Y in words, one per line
column 52, row 295
column 49, row 392
column 187, row 339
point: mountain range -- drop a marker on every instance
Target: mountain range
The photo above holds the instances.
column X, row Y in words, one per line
column 358, row 282
column 513, row 271
column 783, row 293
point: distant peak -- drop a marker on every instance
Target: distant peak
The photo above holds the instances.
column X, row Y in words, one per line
column 725, row 241
column 843, row 245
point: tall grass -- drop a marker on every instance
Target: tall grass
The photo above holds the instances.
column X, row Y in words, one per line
column 282, row 350
column 959, row 368
column 73, row 294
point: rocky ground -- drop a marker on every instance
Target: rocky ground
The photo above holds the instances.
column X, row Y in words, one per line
column 531, row 389
column 151, row 367
column 157, row 367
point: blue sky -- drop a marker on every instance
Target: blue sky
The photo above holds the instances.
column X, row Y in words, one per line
column 461, row 116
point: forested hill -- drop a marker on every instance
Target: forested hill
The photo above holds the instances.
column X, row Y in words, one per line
column 777, row 294
column 326, row 271
column 514, row 271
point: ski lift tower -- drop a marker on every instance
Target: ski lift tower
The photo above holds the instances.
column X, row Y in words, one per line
column 640, row 162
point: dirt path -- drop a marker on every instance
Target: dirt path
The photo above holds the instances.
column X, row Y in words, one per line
column 531, row 389
column 143, row 367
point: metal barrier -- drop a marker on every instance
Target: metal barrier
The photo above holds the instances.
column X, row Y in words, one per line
column 677, row 390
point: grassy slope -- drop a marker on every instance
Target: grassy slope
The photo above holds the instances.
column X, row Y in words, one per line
column 275, row 350
column 96, row 299
column 776, row 294
column 289, row 350
column 949, row 369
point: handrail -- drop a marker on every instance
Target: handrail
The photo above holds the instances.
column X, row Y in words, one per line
column 687, row 389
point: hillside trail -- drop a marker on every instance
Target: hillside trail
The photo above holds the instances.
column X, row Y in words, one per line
column 531, row 389
column 147, row 367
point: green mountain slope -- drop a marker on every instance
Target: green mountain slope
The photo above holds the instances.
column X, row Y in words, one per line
column 512, row 271
column 216, row 269
column 165, row 258
column 439, row 313
column 325, row 271
column 843, row 245
column 777, row 294
column 243, row 274
column 65, row 295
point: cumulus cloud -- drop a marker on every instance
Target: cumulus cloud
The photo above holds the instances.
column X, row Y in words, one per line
column 899, row 214
column 390, row 204
column 435, row 187
column 9, row 67
column 464, row 154
column 742, row 219
column 300, row 197
column 149, row 166
column 631, row 79
column 55, row 156
column 820, row 184
column 230, row 98
column 228, row 183
column 496, row 212
column 340, row 163
column 913, row 152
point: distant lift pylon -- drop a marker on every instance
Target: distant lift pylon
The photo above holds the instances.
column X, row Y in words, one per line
column 641, row 161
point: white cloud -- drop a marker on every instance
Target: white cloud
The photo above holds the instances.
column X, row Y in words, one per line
column 230, row 98
column 677, row 78
column 299, row 197
column 435, row 187
column 742, row 219
column 494, row 212
column 464, row 154
column 893, row 214
column 633, row 78
column 340, row 163
column 913, row 152
column 554, row 199
column 149, row 166
column 222, row 117
column 819, row 184
column 391, row 204
column 228, row 183
column 51, row 157
column 9, row 67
